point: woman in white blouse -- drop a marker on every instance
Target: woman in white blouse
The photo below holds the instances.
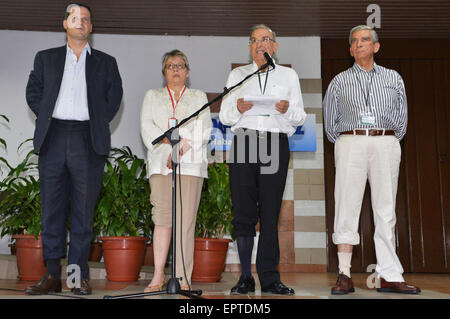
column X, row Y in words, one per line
column 161, row 109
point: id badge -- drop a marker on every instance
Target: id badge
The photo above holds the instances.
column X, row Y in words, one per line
column 172, row 122
column 367, row 119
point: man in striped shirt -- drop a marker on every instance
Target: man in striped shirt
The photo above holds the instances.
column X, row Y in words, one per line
column 365, row 115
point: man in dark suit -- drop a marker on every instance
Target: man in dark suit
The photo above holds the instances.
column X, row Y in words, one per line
column 75, row 91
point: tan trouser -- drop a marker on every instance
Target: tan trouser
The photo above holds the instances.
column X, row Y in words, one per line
column 161, row 199
column 377, row 159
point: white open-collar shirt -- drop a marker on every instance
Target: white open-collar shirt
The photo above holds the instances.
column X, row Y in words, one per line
column 72, row 102
column 282, row 82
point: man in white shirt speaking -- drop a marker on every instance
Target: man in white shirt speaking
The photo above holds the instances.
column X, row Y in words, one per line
column 259, row 156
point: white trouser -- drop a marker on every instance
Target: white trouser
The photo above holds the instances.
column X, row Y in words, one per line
column 377, row 158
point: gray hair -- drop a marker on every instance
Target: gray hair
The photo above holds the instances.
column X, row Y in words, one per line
column 263, row 26
column 363, row 27
column 172, row 54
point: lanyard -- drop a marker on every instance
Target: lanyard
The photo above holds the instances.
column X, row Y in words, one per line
column 265, row 83
column 171, row 98
column 368, row 89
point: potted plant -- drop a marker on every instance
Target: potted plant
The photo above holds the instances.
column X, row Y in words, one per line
column 20, row 216
column 124, row 207
column 214, row 218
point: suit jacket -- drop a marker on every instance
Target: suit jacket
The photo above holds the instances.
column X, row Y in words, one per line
column 104, row 93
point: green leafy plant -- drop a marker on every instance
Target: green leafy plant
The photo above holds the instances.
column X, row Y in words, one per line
column 20, row 209
column 4, row 145
column 215, row 211
column 124, row 207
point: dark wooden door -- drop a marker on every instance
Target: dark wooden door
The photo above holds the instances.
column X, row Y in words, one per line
column 423, row 198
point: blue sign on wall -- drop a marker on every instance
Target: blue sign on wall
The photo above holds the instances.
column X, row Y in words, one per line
column 303, row 140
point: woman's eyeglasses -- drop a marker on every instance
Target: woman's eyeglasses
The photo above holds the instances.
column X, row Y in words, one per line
column 179, row 66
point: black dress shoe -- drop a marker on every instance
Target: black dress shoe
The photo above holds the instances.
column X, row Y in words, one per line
column 45, row 285
column 277, row 287
column 85, row 288
column 244, row 286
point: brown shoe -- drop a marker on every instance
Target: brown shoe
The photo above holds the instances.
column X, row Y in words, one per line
column 45, row 285
column 85, row 288
column 344, row 285
column 399, row 287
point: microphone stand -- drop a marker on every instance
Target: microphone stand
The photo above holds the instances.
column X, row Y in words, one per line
column 173, row 285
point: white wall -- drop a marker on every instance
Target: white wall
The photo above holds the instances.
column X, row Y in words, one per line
column 139, row 60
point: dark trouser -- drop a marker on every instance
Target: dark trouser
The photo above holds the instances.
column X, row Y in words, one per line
column 70, row 174
column 259, row 195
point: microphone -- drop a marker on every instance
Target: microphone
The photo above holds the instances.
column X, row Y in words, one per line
column 269, row 60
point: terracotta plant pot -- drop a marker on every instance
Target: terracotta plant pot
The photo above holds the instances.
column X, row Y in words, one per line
column 30, row 261
column 148, row 257
column 123, row 257
column 96, row 252
column 209, row 259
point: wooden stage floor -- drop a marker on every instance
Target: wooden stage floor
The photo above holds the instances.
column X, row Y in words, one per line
column 306, row 285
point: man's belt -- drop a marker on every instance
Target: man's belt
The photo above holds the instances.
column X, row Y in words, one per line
column 369, row 132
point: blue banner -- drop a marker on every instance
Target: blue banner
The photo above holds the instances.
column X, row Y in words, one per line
column 303, row 140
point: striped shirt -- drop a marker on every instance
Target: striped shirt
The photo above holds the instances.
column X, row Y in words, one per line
column 355, row 92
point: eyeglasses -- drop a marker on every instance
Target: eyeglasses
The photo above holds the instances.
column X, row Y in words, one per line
column 179, row 66
column 265, row 39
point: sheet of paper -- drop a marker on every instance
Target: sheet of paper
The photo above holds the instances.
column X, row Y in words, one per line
column 262, row 104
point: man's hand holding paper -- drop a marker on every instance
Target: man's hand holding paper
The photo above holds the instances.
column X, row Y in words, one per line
column 282, row 106
column 243, row 106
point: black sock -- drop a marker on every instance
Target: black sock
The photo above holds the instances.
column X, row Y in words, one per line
column 245, row 248
column 54, row 268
